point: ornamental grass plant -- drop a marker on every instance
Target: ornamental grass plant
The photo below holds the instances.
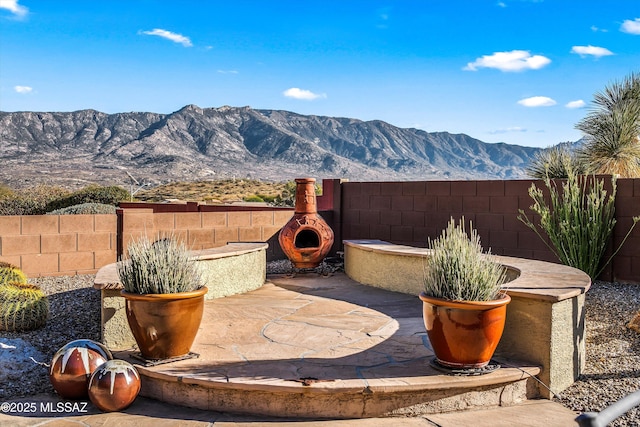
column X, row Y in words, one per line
column 458, row 270
column 578, row 220
column 161, row 267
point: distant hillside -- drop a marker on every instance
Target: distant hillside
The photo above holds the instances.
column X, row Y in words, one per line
column 76, row 148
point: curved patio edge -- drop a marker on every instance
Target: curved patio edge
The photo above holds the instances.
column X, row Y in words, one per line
column 545, row 319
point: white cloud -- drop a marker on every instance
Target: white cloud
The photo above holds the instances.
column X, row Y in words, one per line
column 508, row 130
column 516, row 60
column 227, row 72
column 174, row 37
column 537, row 101
column 502, row 4
column 631, row 27
column 596, row 29
column 576, row 104
column 298, row 93
column 23, row 89
column 591, row 50
column 14, row 7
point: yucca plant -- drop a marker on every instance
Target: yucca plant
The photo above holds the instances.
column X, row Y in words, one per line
column 612, row 130
column 10, row 273
column 23, row 307
column 161, row 267
column 457, row 269
column 578, row 220
column 552, row 162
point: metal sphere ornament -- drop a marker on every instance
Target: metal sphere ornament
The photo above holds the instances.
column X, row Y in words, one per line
column 114, row 385
column 73, row 364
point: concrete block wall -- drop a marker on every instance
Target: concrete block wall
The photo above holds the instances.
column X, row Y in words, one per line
column 51, row 245
column 46, row 245
column 626, row 264
column 400, row 212
column 410, row 213
column 204, row 229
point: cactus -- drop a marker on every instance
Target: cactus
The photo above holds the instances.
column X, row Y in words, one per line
column 9, row 273
column 23, row 307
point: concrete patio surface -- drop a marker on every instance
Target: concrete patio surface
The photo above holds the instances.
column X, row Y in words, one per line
column 323, row 347
column 310, row 351
column 151, row 413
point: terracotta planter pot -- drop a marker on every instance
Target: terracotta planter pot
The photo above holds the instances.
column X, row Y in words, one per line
column 164, row 325
column 464, row 334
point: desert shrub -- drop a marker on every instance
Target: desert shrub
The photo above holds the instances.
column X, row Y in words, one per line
column 85, row 209
column 5, row 192
column 578, row 220
column 612, row 130
column 31, row 201
column 458, row 270
column 254, row 198
column 161, row 267
column 554, row 162
column 287, row 196
column 107, row 195
column 267, row 198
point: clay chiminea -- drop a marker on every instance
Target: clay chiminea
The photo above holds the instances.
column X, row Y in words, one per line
column 306, row 239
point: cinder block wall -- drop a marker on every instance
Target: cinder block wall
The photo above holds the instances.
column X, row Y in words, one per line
column 201, row 230
column 47, row 245
column 399, row 212
column 626, row 264
column 412, row 212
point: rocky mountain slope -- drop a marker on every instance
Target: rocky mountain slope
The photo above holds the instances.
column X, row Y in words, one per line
column 194, row 143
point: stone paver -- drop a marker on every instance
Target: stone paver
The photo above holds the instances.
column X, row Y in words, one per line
column 149, row 413
column 309, row 348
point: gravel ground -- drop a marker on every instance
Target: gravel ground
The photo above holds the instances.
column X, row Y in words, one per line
column 613, row 351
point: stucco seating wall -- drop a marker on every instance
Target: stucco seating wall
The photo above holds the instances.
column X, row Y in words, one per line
column 545, row 319
column 227, row 270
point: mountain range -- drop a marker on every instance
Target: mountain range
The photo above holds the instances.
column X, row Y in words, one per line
column 73, row 149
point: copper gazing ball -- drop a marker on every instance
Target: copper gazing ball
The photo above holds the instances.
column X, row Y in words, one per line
column 114, row 385
column 72, row 366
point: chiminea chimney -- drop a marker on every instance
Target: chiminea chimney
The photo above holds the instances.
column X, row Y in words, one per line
column 306, row 239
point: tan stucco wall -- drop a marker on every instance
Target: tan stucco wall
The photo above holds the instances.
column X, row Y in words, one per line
column 232, row 269
column 545, row 325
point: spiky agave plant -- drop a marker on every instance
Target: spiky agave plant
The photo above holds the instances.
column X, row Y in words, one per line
column 23, row 307
column 161, row 267
column 10, row 273
column 458, row 270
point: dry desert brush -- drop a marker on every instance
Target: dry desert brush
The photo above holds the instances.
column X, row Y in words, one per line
column 458, row 270
column 161, row 267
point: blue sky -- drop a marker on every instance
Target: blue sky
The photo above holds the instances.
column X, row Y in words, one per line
column 516, row 71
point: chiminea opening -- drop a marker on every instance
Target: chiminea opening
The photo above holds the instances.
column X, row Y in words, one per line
column 307, row 239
